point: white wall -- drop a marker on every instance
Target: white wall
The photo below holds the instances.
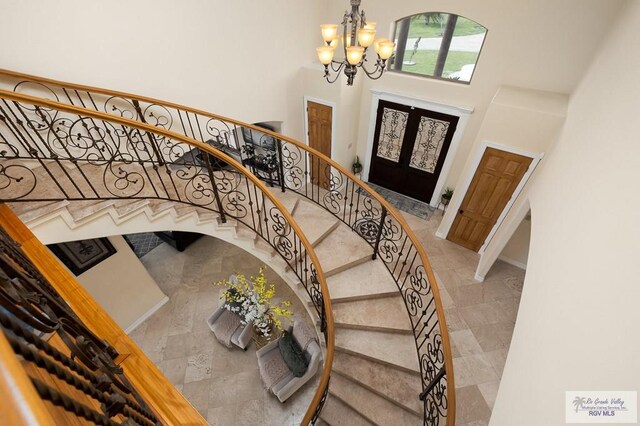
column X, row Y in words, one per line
column 576, row 327
column 240, row 59
column 516, row 252
column 122, row 286
column 543, row 45
column 523, row 119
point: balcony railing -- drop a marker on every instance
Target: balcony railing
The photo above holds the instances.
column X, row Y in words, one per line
column 315, row 176
column 52, row 151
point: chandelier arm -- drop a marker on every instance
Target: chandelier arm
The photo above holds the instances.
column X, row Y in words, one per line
column 338, row 71
column 340, row 64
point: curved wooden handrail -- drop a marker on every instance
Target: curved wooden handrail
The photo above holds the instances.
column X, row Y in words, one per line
column 448, row 361
column 324, row 380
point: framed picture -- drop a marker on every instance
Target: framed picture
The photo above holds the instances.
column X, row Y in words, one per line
column 80, row 256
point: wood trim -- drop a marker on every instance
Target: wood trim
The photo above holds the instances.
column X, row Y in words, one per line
column 327, row 303
column 165, row 400
column 20, row 404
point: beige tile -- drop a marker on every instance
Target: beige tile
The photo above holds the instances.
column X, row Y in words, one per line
column 480, row 314
column 198, row 394
column 198, row 367
column 497, row 359
column 489, row 392
column 488, row 337
column 473, row 370
column 174, row 369
column 467, row 295
column 454, row 320
column 224, row 415
column 471, row 406
column 465, row 342
column 223, row 391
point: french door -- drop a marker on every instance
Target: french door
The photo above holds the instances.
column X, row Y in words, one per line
column 410, row 146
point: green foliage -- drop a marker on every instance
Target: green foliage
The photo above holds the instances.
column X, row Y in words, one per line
column 426, row 62
column 421, row 26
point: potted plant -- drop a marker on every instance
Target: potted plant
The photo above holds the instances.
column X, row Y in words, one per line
column 446, row 195
column 253, row 301
column 356, row 167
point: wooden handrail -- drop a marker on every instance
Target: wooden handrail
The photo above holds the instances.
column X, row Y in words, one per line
column 324, row 380
column 448, row 361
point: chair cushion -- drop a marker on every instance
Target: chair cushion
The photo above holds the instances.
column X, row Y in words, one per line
column 225, row 326
column 292, row 355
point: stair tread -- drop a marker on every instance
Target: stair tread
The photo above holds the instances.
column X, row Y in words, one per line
column 30, row 211
column 315, row 222
column 393, row 349
column 375, row 408
column 342, row 249
column 80, row 209
column 383, row 313
column 367, row 280
column 337, row 413
column 398, row 386
column 288, row 198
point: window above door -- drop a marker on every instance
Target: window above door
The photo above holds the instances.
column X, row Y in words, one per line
column 437, row 45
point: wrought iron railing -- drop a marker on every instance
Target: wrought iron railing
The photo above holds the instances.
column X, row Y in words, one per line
column 51, row 151
column 31, row 313
column 320, row 179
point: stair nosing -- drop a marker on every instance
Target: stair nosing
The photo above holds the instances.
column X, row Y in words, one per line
column 370, row 389
column 378, row 360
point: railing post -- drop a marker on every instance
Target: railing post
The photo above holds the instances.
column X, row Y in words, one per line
column 212, row 178
column 383, row 216
column 433, row 383
column 280, row 165
column 152, row 140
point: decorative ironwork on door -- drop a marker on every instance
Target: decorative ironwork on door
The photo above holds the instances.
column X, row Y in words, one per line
column 394, row 124
column 428, row 144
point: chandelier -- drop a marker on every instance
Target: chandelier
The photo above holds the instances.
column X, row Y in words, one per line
column 357, row 36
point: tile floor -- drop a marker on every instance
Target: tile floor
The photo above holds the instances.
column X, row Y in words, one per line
column 223, row 384
column 480, row 316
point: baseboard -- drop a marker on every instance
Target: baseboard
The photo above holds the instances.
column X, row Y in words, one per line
column 441, row 235
column 513, row 262
column 479, row 278
column 146, row 315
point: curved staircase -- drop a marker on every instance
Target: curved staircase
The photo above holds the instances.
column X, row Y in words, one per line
column 385, row 300
column 377, row 376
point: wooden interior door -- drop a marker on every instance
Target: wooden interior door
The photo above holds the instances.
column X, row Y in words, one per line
column 497, row 176
column 319, row 133
column 409, row 149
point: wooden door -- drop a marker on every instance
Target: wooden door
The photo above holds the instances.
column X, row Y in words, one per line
column 410, row 146
column 497, row 176
column 319, row 132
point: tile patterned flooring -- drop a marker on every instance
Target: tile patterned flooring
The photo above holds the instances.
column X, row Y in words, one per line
column 404, row 203
column 143, row 242
column 224, row 385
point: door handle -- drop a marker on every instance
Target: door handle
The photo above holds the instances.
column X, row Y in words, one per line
column 460, row 211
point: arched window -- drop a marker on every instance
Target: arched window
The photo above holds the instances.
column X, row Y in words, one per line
column 440, row 45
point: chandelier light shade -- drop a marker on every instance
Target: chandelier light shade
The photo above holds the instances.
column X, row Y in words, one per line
column 358, row 35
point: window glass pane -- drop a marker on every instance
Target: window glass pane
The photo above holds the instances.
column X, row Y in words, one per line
column 439, row 45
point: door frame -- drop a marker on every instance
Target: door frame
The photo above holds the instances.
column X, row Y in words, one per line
column 462, row 112
column 463, row 187
column 334, row 117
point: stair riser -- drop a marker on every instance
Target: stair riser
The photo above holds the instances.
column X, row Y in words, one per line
column 379, row 361
column 376, row 391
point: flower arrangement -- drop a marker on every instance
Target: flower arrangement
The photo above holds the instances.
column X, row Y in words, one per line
column 253, row 301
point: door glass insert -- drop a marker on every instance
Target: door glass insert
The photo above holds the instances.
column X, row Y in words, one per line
column 392, row 130
column 428, row 144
